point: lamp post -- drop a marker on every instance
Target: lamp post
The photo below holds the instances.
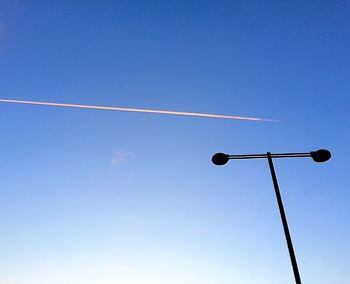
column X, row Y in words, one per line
column 318, row 156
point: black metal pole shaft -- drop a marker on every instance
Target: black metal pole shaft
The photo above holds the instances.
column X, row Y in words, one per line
column 284, row 221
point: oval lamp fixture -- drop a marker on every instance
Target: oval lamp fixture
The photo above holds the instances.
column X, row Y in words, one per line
column 220, row 159
column 321, row 155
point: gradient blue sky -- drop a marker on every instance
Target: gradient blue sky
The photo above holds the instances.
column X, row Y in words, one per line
column 100, row 197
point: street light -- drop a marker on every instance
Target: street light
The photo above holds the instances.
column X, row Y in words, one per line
column 318, row 156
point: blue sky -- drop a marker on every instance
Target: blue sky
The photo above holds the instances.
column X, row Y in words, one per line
column 89, row 196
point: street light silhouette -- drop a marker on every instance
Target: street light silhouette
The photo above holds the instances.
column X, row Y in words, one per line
column 318, row 156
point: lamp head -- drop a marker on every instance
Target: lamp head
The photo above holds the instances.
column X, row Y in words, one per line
column 321, row 155
column 220, row 159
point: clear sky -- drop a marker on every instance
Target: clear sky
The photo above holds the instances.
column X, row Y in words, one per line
column 104, row 197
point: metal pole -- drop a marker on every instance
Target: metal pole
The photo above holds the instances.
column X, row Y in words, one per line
column 284, row 221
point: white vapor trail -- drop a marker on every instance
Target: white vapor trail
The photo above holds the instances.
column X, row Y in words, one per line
column 135, row 110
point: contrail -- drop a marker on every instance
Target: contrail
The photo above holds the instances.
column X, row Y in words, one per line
column 135, row 110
